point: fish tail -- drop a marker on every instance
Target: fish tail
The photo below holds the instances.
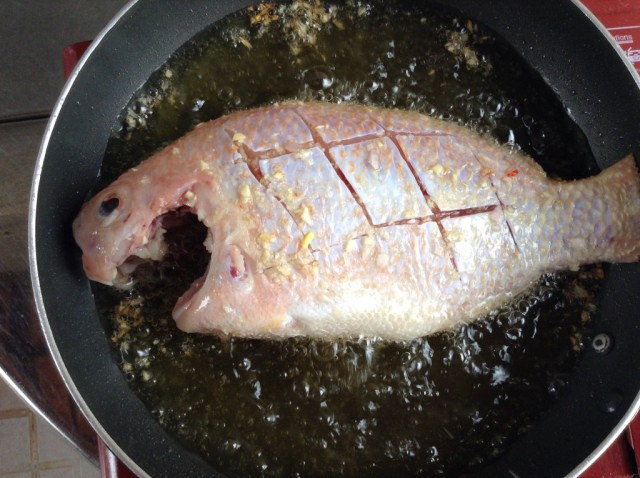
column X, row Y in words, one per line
column 620, row 184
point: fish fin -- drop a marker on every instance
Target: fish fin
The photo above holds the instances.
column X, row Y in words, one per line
column 623, row 178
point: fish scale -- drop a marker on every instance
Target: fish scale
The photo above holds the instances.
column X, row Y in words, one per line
column 336, row 220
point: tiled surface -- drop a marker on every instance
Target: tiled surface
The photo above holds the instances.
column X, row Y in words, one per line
column 19, row 144
column 31, row 448
column 33, row 34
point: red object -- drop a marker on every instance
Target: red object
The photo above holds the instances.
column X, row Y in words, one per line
column 622, row 459
column 110, row 466
column 617, row 462
column 71, row 55
column 633, row 436
column 607, row 7
column 622, row 19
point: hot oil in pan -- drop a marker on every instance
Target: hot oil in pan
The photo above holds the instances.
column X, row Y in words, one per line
column 439, row 405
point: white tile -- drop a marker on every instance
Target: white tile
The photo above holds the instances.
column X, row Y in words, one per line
column 8, row 399
column 87, row 470
column 52, row 446
column 15, row 449
column 20, row 474
column 61, row 472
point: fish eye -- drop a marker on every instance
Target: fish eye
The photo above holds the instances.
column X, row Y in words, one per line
column 108, row 206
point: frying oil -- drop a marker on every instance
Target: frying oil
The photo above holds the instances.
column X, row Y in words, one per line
column 439, row 405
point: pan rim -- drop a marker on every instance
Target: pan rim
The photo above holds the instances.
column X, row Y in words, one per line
column 33, row 265
column 35, row 279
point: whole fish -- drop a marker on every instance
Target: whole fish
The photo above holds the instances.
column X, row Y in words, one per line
column 334, row 220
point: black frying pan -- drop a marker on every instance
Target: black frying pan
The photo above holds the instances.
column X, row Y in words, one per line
column 557, row 38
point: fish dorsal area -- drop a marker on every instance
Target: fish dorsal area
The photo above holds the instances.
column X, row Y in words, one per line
column 354, row 181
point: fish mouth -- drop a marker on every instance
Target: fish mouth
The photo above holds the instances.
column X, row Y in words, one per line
column 185, row 261
column 150, row 246
column 175, row 249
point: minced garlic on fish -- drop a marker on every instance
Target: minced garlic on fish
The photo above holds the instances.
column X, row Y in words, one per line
column 418, row 224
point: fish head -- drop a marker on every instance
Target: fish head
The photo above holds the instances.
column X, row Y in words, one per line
column 238, row 294
column 123, row 224
column 103, row 230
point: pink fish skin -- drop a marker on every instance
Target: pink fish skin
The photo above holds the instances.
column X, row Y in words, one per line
column 334, row 220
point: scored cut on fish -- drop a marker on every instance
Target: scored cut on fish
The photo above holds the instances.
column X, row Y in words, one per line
column 337, row 220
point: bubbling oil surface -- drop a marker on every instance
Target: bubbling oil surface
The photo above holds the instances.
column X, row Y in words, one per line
column 439, row 405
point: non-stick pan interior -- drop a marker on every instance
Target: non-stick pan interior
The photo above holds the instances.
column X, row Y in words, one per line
column 556, row 38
